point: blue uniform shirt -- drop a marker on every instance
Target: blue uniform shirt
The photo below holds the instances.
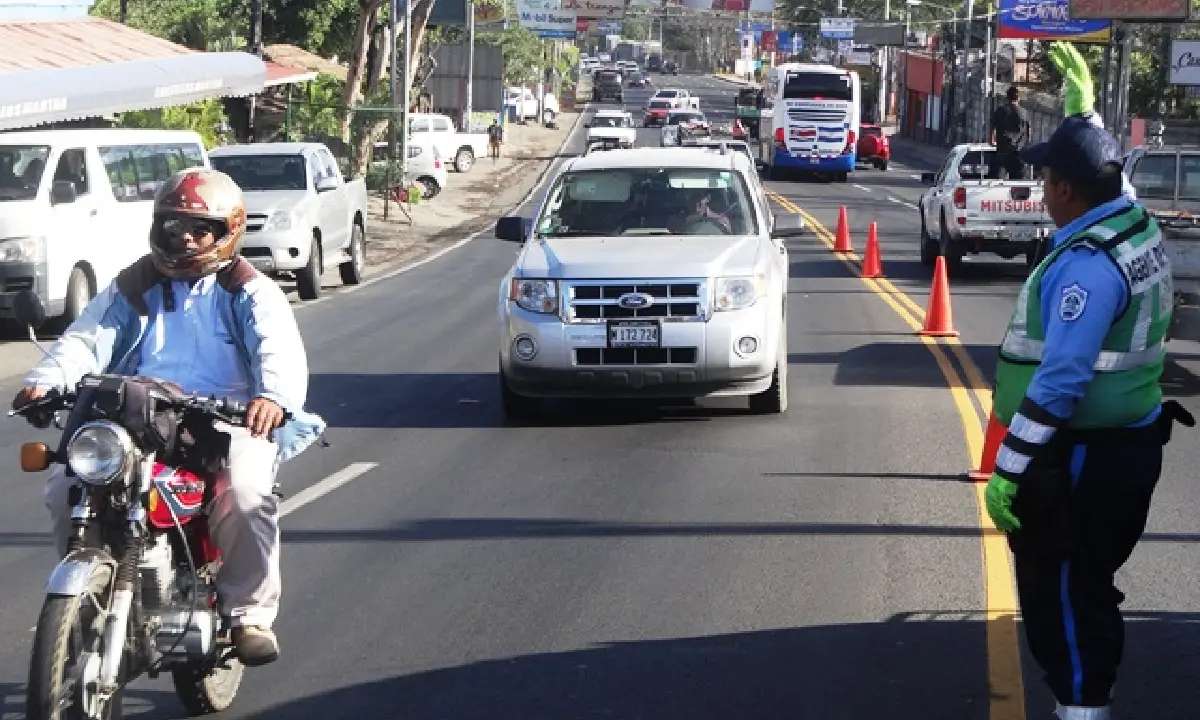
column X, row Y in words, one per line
column 1072, row 345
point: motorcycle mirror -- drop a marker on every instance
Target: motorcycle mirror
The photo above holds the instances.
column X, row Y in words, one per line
column 29, row 310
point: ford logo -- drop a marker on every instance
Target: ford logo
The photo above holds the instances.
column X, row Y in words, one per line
column 635, row 301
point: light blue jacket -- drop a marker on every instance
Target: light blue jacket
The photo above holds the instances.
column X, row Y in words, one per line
column 107, row 338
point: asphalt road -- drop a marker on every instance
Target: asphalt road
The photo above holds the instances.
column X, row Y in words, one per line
column 633, row 563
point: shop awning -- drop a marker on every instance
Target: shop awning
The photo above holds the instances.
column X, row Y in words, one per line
column 75, row 69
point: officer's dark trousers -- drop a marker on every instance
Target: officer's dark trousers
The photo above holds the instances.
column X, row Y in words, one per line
column 1083, row 508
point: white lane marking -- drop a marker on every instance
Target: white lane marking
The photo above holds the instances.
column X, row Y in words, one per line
column 905, row 203
column 547, row 176
column 860, row 187
column 324, row 487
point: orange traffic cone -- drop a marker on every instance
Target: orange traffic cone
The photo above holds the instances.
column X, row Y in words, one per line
column 991, row 447
column 872, row 263
column 842, row 245
column 938, row 317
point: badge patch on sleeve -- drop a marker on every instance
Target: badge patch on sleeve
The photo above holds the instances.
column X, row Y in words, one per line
column 1074, row 300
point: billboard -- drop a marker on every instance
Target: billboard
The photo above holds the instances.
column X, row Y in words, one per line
column 595, row 9
column 879, row 34
column 448, row 13
column 545, row 18
column 838, row 28
column 1048, row 20
column 1146, row 10
column 731, row 6
column 1185, row 62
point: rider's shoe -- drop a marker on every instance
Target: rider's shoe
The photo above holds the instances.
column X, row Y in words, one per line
column 255, row 645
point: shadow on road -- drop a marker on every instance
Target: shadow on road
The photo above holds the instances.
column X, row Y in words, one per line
column 891, row 364
column 926, row 666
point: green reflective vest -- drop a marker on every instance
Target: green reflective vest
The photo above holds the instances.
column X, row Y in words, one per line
column 1125, row 387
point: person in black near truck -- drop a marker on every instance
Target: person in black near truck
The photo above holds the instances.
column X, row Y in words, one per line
column 1010, row 131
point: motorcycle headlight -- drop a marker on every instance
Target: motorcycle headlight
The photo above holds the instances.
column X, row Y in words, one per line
column 738, row 293
column 99, row 452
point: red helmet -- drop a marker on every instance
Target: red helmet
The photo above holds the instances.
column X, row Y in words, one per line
column 197, row 201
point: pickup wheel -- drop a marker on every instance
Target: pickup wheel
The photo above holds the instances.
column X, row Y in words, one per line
column 517, row 407
column 774, row 400
column 929, row 246
column 949, row 249
column 352, row 270
column 464, row 160
column 308, row 279
column 882, row 165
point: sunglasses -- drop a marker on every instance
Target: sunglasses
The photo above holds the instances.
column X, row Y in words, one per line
column 176, row 227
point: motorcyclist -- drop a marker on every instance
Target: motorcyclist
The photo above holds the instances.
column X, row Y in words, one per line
column 194, row 312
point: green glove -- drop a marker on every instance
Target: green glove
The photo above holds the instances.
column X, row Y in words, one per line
column 1077, row 78
column 998, row 499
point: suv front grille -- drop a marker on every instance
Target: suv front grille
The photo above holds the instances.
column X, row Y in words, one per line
column 593, row 301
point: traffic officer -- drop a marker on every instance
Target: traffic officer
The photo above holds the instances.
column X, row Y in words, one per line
column 1077, row 385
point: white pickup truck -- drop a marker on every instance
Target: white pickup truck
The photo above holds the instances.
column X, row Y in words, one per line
column 301, row 215
column 1167, row 182
column 462, row 148
column 963, row 212
column 648, row 273
column 681, row 99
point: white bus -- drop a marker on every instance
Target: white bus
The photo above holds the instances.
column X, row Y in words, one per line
column 813, row 121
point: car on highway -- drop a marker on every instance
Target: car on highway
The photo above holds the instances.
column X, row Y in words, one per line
column 606, row 83
column 684, row 124
column 874, row 147
column 302, row 216
column 648, row 273
column 638, row 80
column 679, row 98
column 612, row 124
column 657, row 111
column 964, row 212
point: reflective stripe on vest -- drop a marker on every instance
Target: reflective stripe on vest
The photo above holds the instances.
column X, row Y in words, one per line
column 1026, row 349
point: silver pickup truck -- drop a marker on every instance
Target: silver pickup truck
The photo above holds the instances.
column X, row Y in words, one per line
column 963, row 212
column 1167, row 182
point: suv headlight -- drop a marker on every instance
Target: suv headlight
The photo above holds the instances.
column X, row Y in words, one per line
column 738, row 293
column 540, row 296
column 99, row 452
column 24, row 249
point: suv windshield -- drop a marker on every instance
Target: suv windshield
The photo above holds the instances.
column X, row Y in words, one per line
column 611, row 121
column 660, row 104
column 264, row 172
column 648, row 201
column 677, row 118
column 21, row 168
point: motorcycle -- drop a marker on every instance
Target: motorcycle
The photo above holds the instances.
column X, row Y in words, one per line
column 135, row 593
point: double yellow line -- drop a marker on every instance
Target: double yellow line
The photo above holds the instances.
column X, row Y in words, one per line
column 1006, row 692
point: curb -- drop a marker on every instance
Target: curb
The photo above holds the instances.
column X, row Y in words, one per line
column 732, row 80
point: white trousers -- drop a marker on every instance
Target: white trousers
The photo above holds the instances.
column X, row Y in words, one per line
column 243, row 521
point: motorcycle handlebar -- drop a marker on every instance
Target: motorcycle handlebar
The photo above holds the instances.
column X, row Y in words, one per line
column 224, row 409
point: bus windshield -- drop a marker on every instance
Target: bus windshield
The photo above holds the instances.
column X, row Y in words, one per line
column 818, row 86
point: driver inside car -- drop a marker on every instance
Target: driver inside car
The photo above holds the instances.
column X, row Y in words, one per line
column 194, row 313
column 697, row 217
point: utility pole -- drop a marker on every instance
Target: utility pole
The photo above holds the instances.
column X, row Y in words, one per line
column 466, row 123
column 387, row 181
column 881, row 87
column 124, row 11
column 406, row 92
column 255, row 48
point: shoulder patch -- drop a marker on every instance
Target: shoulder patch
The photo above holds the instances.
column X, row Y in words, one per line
column 1073, row 301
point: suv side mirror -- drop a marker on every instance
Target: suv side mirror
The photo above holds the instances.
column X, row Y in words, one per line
column 786, row 226
column 513, row 228
column 326, row 184
column 62, row 192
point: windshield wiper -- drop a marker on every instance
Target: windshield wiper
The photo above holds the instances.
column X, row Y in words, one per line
column 571, row 233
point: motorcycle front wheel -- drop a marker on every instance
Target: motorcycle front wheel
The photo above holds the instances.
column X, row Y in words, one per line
column 66, row 650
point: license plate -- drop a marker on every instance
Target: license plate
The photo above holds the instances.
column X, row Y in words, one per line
column 1021, row 235
column 634, row 333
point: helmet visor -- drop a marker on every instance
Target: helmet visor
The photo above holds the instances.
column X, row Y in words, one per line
column 183, row 234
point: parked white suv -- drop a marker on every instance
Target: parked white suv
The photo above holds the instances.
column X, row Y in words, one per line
column 647, row 273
